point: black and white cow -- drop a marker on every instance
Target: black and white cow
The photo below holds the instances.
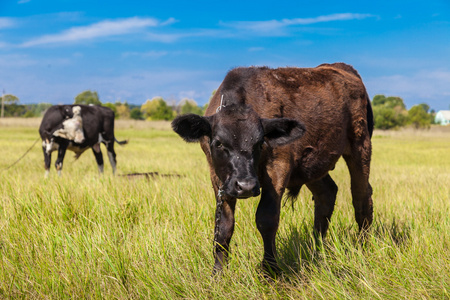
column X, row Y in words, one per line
column 77, row 128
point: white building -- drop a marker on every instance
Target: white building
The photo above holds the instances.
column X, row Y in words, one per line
column 442, row 117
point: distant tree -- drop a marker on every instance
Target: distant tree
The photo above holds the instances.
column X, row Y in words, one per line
column 425, row 107
column 157, row 109
column 150, row 107
column 389, row 112
column 7, row 99
column 40, row 108
column 123, row 110
column 418, row 117
column 29, row 114
column 87, row 97
column 378, row 100
column 15, row 110
column 163, row 112
column 388, row 118
column 135, row 114
column 189, row 106
column 389, row 102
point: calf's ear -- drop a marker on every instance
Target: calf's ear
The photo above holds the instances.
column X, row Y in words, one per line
column 281, row 131
column 191, row 127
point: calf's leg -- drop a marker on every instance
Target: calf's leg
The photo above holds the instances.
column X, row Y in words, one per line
column 224, row 223
column 267, row 220
column 359, row 166
column 324, row 192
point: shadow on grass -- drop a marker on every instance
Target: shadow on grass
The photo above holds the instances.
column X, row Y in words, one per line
column 148, row 175
column 399, row 232
column 300, row 250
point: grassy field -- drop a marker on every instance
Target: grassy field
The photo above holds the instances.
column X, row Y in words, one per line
column 88, row 236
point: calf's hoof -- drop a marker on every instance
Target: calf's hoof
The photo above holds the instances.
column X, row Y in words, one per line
column 217, row 269
column 270, row 268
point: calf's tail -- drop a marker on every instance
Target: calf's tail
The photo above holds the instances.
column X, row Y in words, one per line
column 369, row 116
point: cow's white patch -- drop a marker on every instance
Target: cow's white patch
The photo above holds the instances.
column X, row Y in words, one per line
column 72, row 128
column 50, row 146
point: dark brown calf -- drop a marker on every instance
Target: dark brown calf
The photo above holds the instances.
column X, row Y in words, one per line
column 284, row 128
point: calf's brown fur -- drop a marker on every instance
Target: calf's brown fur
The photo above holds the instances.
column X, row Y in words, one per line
column 281, row 129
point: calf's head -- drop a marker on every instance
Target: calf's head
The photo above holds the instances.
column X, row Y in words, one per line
column 236, row 136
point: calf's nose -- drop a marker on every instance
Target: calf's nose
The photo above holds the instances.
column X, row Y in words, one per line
column 246, row 188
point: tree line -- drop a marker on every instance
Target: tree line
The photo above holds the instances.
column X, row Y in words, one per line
column 153, row 109
column 389, row 112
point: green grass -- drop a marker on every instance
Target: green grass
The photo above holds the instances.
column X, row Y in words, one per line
column 89, row 236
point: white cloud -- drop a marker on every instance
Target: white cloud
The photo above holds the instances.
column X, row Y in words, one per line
column 169, row 21
column 16, row 61
column 276, row 26
column 328, row 18
column 98, row 30
column 151, row 54
column 192, row 33
column 255, row 49
column 6, row 23
column 163, row 37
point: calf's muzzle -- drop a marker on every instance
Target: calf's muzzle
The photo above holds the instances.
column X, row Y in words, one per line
column 246, row 187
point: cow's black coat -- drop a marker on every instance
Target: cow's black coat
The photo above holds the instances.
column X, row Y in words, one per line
column 98, row 127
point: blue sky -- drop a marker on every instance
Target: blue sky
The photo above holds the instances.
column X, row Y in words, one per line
column 51, row 50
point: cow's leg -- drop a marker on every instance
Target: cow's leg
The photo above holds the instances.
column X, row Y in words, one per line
column 359, row 166
column 47, row 161
column 61, row 153
column 98, row 157
column 111, row 155
column 224, row 223
column 324, row 193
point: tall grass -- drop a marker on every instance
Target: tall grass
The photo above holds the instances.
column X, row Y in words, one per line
column 83, row 235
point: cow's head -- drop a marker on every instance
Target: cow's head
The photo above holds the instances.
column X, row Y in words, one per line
column 236, row 137
column 66, row 111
